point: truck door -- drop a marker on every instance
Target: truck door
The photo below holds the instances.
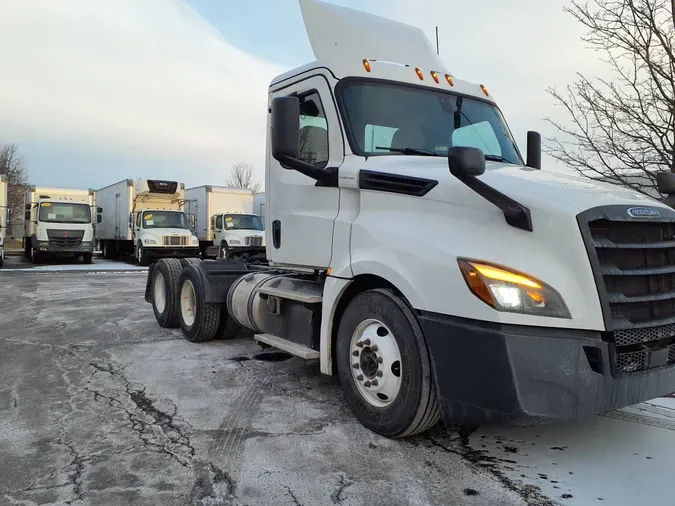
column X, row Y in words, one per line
column 300, row 215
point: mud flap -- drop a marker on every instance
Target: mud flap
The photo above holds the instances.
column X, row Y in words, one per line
column 148, row 284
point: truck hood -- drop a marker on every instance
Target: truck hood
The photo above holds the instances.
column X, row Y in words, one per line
column 538, row 188
column 580, row 193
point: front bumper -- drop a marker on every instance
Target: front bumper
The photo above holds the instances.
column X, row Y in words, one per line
column 488, row 372
column 169, row 252
column 49, row 247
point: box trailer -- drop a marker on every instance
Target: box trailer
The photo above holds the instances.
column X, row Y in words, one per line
column 225, row 220
column 259, row 205
column 5, row 212
column 145, row 218
column 59, row 222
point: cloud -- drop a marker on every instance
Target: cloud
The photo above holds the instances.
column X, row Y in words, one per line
column 148, row 77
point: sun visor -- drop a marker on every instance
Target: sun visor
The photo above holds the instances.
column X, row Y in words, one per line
column 341, row 38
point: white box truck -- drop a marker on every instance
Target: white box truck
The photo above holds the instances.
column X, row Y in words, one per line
column 5, row 215
column 59, row 222
column 416, row 253
column 145, row 218
column 259, row 205
column 225, row 220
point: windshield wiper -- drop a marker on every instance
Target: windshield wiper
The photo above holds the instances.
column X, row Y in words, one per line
column 410, row 151
column 497, row 158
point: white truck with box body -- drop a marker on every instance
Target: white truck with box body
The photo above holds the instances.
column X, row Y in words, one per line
column 259, row 205
column 5, row 215
column 225, row 220
column 145, row 218
column 59, row 222
column 418, row 256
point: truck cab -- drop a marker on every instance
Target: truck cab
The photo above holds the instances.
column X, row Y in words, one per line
column 162, row 232
column 59, row 223
column 238, row 234
column 423, row 259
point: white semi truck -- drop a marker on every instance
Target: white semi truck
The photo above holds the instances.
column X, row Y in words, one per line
column 416, row 254
column 145, row 218
column 5, row 213
column 59, row 223
column 225, row 221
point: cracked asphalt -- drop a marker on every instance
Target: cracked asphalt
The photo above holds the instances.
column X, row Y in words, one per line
column 100, row 405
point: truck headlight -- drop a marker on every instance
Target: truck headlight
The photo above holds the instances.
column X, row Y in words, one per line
column 194, row 240
column 512, row 291
column 235, row 241
column 149, row 241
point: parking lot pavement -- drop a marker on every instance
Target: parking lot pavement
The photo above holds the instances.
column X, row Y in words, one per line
column 100, row 405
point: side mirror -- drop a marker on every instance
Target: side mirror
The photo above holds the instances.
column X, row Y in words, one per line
column 131, row 220
column 465, row 161
column 193, row 222
column 27, row 207
column 9, row 213
column 534, row 150
column 27, row 215
column 99, row 210
column 285, row 128
column 665, row 182
column 98, row 218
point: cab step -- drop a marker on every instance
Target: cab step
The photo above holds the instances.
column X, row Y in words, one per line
column 301, row 290
column 288, row 346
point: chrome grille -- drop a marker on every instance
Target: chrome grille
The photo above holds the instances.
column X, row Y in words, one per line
column 253, row 241
column 174, row 240
column 65, row 239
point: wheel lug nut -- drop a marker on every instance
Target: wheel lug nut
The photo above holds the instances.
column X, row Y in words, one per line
column 374, row 383
column 366, row 384
column 355, row 366
column 360, row 377
column 379, row 374
column 359, row 344
column 355, row 353
column 374, row 347
column 366, row 342
column 379, row 360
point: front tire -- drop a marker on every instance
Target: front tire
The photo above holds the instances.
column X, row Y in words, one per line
column 141, row 256
column 384, row 366
column 34, row 256
column 165, row 292
column 87, row 258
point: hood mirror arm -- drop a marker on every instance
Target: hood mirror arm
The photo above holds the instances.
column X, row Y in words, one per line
column 466, row 164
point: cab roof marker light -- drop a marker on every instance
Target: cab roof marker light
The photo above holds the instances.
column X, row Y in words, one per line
column 484, row 89
column 434, row 75
column 448, row 78
column 419, row 73
column 366, row 65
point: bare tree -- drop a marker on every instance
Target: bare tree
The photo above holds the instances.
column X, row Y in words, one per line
column 241, row 176
column 622, row 126
column 12, row 165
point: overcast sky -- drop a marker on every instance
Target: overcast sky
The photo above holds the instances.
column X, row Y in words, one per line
column 98, row 91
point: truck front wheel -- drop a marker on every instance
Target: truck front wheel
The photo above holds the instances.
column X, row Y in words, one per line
column 384, row 366
column 141, row 256
column 87, row 258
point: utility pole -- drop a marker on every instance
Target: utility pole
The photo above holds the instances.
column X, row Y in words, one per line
column 437, row 46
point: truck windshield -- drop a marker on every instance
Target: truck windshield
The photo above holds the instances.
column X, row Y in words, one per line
column 389, row 118
column 242, row 222
column 165, row 219
column 64, row 212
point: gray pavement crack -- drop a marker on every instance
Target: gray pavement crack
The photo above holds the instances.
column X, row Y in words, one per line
column 481, row 460
column 337, row 496
column 212, row 485
column 290, row 493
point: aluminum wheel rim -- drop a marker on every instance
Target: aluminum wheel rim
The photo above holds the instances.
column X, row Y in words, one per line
column 188, row 304
column 140, row 254
column 376, row 363
column 159, row 292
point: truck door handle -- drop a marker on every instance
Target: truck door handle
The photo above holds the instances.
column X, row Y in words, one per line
column 276, row 233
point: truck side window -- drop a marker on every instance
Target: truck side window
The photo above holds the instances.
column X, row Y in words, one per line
column 219, row 222
column 313, row 140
